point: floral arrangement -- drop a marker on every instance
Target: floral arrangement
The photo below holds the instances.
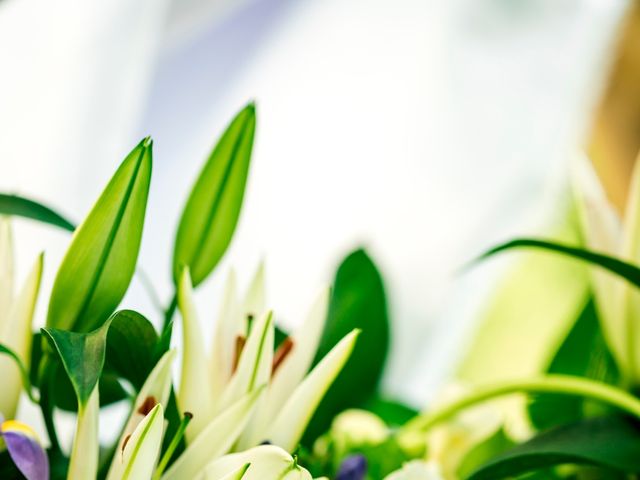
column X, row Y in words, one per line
column 260, row 403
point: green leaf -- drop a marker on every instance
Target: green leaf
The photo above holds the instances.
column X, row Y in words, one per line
column 495, row 444
column 131, row 344
column 25, row 207
column 623, row 269
column 212, row 210
column 393, row 412
column 609, row 442
column 82, row 355
column 583, row 353
column 98, row 266
column 358, row 302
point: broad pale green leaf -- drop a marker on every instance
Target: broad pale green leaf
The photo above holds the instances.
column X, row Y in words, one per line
column 82, row 355
column 610, row 442
column 98, row 266
column 358, row 301
column 215, row 440
column 85, row 450
column 16, row 205
column 583, row 353
column 212, row 210
column 516, row 331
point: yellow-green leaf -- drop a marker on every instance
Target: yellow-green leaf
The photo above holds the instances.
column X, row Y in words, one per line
column 212, row 210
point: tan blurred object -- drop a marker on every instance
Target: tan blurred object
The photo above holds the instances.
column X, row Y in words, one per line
column 615, row 136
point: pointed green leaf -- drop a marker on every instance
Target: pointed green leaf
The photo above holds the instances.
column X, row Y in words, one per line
column 212, row 210
column 358, row 301
column 611, row 442
column 82, row 355
column 629, row 272
column 98, row 266
column 25, row 207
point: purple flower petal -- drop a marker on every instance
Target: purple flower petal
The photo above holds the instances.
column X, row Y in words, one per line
column 27, row 454
column 353, row 467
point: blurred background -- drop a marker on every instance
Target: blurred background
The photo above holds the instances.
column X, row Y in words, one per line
column 423, row 130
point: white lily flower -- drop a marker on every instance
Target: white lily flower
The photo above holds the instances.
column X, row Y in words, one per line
column 417, row 470
column 617, row 301
column 237, row 474
column 155, row 391
column 286, row 407
column 85, row 450
column 16, row 316
column 215, row 440
column 267, row 462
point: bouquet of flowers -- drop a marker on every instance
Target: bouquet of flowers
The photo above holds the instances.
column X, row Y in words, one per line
column 257, row 402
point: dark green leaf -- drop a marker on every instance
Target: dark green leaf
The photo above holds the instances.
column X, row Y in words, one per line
column 393, row 412
column 358, row 301
column 82, row 355
column 131, row 344
column 101, row 259
column 25, row 207
column 625, row 270
column 583, row 353
column 609, row 442
column 212, row 210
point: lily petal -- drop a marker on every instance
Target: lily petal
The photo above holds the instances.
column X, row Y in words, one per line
column 229, row 326
column 291, row 372
column 155, row 391
column 237, row 474
column 25, row 450
column 6, row 269
column 288, row 427
column 416, row 470
column 138, row 458
column 254, row 366
column 195, row 392
column 215, row 440
column 85, row 450
column 255, row 299
column 17, row 336
column 268, row 462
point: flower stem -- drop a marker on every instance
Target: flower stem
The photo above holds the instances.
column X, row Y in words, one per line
column 175, row 441
column 559, row 384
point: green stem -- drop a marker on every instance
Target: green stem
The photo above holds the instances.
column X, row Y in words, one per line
column 170, row 311
column 175, row 441
column 47, row 382
column 559, row 384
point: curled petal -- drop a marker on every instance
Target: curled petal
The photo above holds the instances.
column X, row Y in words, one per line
column 25, row 450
